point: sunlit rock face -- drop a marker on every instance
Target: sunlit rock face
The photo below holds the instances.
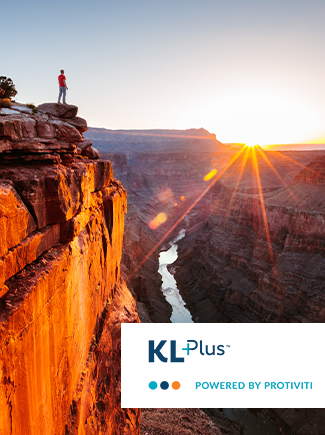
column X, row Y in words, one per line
column 62, row 298
column 251, row 266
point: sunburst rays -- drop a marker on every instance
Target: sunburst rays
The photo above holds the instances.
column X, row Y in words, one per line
column 255, row 153
column 179, row 220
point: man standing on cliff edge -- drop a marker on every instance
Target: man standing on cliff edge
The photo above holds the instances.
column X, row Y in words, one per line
column 62, row 86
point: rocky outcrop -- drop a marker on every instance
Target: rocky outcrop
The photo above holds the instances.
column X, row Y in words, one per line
column 53, row 134
column 62, row 298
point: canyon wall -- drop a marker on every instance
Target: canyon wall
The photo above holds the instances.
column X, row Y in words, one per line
column 164, row 173
column 258, row 258
column 225, row 270
column 62, row 298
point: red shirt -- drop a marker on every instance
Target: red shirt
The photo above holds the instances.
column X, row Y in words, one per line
column 62, row 80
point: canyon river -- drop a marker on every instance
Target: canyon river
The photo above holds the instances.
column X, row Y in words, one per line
column 180, row 313
column 254, row 423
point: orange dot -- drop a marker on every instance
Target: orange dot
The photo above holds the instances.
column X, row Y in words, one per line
column 176, row 385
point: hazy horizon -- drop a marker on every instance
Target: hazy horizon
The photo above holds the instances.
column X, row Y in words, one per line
column 177, row 132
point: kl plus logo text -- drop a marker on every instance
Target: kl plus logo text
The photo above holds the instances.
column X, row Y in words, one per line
column 160, row 350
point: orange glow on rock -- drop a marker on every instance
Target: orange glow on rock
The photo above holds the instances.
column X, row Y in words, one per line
column 210, row 175
column 158, row 220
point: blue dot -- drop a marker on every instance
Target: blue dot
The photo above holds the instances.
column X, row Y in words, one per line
column 164, row 385
column 153, row 385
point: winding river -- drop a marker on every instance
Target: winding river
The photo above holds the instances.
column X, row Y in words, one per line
column 180, row 313
column 254, row 423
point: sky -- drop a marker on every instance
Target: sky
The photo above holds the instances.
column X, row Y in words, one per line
column 250, row 71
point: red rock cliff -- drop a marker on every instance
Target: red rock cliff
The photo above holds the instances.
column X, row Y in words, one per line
column 62, row 299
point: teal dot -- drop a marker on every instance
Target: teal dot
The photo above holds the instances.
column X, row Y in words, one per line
column 153, row 385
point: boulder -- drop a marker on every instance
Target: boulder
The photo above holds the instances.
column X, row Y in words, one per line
column 85, row 144
column 59, row 110
column 79, row 123
column 90, row 152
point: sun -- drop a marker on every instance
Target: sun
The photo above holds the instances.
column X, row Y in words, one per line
column 251, row 145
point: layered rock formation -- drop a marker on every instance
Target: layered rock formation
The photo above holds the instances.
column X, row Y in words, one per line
column 62, row 298
column 53, row 134
column 244, row 270
column 139, row 141
column 163, row 171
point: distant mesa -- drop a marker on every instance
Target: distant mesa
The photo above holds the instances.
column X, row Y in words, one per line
column 139, row 141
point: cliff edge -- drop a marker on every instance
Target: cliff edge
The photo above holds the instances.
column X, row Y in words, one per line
column 62, row 298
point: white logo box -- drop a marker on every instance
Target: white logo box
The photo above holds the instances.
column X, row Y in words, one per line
column 286, row 360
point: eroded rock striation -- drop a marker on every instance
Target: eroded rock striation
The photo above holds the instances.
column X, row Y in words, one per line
column 258, row 263
column 53, row 134
column 62, row 298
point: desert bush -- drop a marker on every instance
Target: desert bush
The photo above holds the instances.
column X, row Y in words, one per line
column 8, row 86
column 5, row 102
column 33, row 107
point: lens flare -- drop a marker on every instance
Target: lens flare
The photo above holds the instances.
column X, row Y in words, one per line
column 158, row 220
column 179, row 220
column 210, row 175
column 165, row 195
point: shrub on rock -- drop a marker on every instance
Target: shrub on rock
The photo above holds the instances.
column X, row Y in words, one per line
column 8, row 86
